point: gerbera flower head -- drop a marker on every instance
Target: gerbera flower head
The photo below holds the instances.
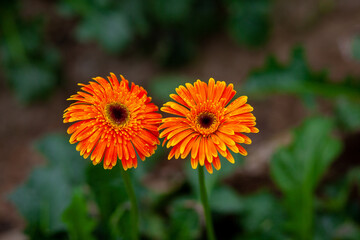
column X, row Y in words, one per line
column 113, row 121
column 206, row 124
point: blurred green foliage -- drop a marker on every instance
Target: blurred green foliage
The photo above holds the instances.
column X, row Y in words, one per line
column 184, row 220
column 297, row 78
column 298, row 168
column 263, row 217
column 48, row 191
column 113, row 24
column 249, row 21
column 170, row 30
column 348, row 113
column 30, row 63
column 75, row 216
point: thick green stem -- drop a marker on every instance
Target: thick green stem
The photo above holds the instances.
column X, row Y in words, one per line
column 134, row 207
column 204, row 200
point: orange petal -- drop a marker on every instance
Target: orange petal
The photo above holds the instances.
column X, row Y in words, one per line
column 194, row 163
column 195, row 148
column 224, row 137
column 208, row 154
column 211, row 86
column 236, row 104
column 241, row 150
column 202, row 151
column 216, row 163
column 98, row 152
column 247, row 140
column 208, row 167
column 179, row 137
column 187, row 148
column 229, row 157
column 186, row 141
column 226, row 130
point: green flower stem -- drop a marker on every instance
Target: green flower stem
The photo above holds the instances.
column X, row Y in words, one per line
column 134, row 207
column 205, row 203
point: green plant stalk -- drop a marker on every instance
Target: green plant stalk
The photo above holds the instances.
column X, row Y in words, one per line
column 301, row 210
column 205, row 203
column 306, row 215
column 134, row 208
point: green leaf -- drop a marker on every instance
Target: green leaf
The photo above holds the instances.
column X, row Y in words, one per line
column 225, row 200
column 79, row 225
column 184, row 221
column 249, row 21
column 62, row 155
column 47, row 192
column 298, row 168
column 348, row 114
column 307, row 158
column 355, row 47
column 41, row 201
column 296, row 78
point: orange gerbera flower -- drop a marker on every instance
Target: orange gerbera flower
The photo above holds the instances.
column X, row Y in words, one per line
column 206, row 125
column 113, row 121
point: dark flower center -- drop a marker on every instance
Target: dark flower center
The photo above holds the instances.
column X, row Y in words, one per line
column 118, row 113
column 206, row 120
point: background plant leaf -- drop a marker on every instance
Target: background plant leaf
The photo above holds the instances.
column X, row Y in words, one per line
column 348, row 113
column 297, row 78
column 248, row 21
column 76, row 217
column 185, row 222
column 297, row 169
column 30, row 65
column 112, row 30
column 47, row 192
column 226, row 201
column 263, row 217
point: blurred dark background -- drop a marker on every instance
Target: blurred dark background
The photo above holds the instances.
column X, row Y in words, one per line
column 294, row 58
